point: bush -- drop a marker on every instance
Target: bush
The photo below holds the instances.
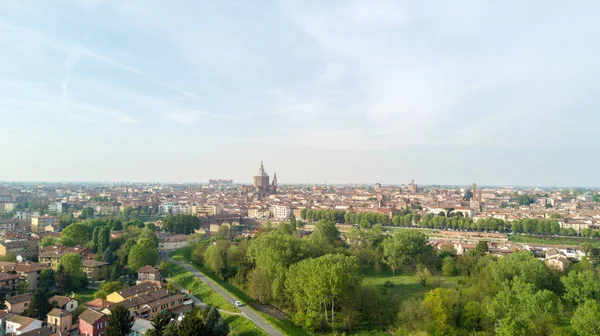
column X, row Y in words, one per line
column 388, row 284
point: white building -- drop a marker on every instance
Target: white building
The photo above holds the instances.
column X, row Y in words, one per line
column 17, row 325
column 140, row 327
column 55, row 208
column 281, row 212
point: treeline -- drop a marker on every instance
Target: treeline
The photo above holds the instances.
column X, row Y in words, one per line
column 180, row 223
column 317, row 280
column 454, row 221
column 137, row 246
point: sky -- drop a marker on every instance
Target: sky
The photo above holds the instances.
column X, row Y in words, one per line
column 442, row 92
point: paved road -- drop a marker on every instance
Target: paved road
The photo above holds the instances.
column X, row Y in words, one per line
column 257, row 319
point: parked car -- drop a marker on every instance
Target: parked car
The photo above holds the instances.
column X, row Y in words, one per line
column 238, row 303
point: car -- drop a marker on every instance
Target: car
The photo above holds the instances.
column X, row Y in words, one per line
column 238, row 303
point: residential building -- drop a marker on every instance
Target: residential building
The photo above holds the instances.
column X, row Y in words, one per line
column 148, row 273
column 59, row 320
column 131, row 291
column 92, row 323
column 9, row 225
column 140, row 327
column 8, row 283
column 26, row 215
column 172, row 242
column 28, row 271
column 18, row 304
column 65, row 303
column 50, row 256
column 18, row 325
column 26, row 248
column 94, row 270
column 281, row 212
column 55, row 208
column 10, row 206
column 40, row 223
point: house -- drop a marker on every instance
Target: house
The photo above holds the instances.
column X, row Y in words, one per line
column 26, row 248
column 94, row 270
column 92, row 323
column 64, row 302
column 140, row 327
column 131, row 291
column 18, row 304
column 99, row 304
column 40, row 223
column 8, row 283
column 3, row 315
column 173, row 242
column 9, row 225
column 50, row 256
column 28, row 271
column 18, row 325
column 59, row 320
column 148, row 273
column 43, row 331
column 462, row 248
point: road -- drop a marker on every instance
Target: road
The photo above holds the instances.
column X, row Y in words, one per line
column 251, row 315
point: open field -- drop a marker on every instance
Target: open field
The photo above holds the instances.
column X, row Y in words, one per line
column 551, row 240
column 241, row 326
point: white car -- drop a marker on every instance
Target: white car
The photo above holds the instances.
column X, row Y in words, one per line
column 238, row 303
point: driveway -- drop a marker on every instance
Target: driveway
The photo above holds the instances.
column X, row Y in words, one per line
column 251, row 315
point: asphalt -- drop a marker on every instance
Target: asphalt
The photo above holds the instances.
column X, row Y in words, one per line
column 251, row 315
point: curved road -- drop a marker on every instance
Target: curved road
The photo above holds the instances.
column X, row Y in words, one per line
column 251, row 315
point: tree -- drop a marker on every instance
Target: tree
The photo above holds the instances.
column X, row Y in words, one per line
column 586, row 319
column 214, row 324
column 103, row 239
column 39, row 305
column 23, row 287
column 141, row 254
column 520, row 309
column 63, row 279
column 581, row 286
column 215, row 257
column 328, row 230
column 441, row 304
column 86, row 213
column 293, row 222
column 468, row 195
column 523, row 264
column 72, row 264
column 482, row 247
column 119, row 322
column 79, row 232
column 46, row 281
column 224, row 230
column 406, row 247
column 192, row 323
column 160, row 322
column 449, row 266
column 48, row 241
column 259, row 287
column 316, row 285
column 107, row 256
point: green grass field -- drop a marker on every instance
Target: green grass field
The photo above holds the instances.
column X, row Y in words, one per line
column 241, row 326
column 85, row 295
column 407, row 286
column 550, row 240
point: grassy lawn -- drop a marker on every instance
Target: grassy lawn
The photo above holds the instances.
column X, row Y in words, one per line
column 201, row 290
column 405, row 286
column 550, row 240
column 241, row 326
column 85, row 295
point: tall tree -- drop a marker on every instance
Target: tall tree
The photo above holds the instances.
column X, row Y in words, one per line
column 160, row 322
column 72, row 264
column 214, row 324
column 407, row 247
column 141, row 254
column 293, row 222
column 586, row 319
column 119, row 322
column 46, row 281
column 39, row 305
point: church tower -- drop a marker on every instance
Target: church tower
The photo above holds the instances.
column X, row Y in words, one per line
column 261, row 180
column 274, row 184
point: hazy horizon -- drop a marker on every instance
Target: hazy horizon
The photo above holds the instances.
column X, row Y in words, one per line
column 445, row 93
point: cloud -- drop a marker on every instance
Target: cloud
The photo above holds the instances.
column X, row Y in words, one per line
column 186, row 118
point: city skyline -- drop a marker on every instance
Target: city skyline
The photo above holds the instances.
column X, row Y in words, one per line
column 451, row 93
